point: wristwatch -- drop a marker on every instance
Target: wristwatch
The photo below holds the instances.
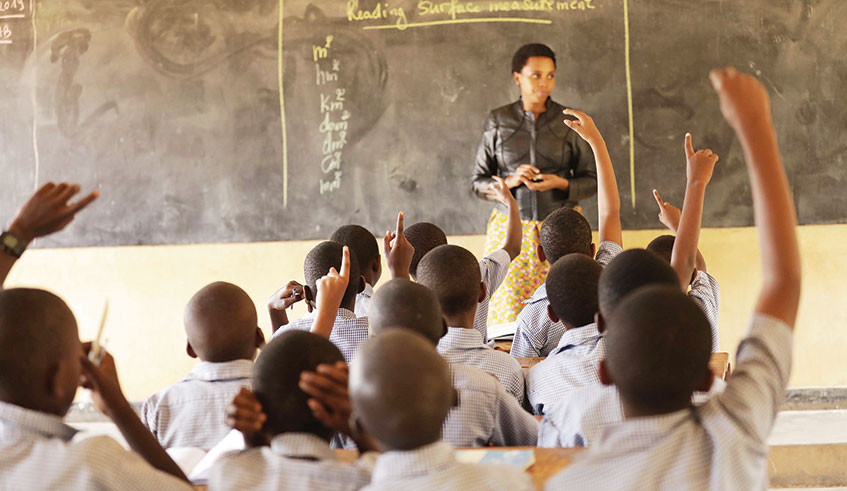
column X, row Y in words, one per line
column 12, row 244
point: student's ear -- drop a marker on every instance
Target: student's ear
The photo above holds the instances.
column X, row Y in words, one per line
column 260, row 337
column 539, row 251
column 706, row 383
column 456, row 398
column 601, row 323
column 516, row 76
column 376, row 267
column 552, row 315
column 446, row 327
column 361, row 284
column 693, row 276
column 189, row 350
column 603, row 373
column 593, row 249
column 483, row 292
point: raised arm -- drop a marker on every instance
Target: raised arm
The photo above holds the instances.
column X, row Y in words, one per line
column 499, row 191
column 746, row 107
column 669, row 216
column 45, row 212
column 331, row 289
column 608, row 199
column 698, row 168
column 398, row 250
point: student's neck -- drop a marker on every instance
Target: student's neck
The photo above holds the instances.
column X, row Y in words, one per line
column 348, row 306
column 465, row 321
column 636, row 411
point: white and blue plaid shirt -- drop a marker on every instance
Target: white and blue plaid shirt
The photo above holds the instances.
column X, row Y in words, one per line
column 493, row 269
column 348, row 332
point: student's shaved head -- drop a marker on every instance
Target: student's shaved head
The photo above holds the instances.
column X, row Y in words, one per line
column 424, row 237
column 221, row 322
column 663, row 246
column 402, row 303
column 658, row 344
column 629, row 271
column 325, row 256
column 572, row 289
column 401, row 390
column 452, row 272
column 38, row 333
column 276, row 379
column 361, row 242
column 565, row 231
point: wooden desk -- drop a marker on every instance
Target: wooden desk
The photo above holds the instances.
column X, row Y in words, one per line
column 548, row 461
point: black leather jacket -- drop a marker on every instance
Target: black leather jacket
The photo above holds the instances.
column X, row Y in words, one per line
column 512, row 137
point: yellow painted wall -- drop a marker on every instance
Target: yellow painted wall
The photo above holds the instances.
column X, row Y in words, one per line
column 148, row 287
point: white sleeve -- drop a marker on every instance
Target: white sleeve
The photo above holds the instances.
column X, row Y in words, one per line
column 493, row 269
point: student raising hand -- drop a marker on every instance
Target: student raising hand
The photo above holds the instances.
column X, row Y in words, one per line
column 398, row 250
column 331, row 290
column 668, row 213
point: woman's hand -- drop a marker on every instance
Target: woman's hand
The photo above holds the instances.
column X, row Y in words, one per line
column 524, row 174
column 546, row 182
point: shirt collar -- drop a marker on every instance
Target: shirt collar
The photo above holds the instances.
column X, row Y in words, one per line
column 461, row 338
column 395, row 465
column 640, row 433
column 21, row 421
column 578, row 336
column 227, row 370
column 539, row 294
column 345, row 314
column 302, row 445
column 368, row 291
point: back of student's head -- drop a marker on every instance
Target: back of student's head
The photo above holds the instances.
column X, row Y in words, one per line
column 325, row 256
column 401, row 390
column 663, row 246
column 629, row 271
column 221, row 323
column 565, row 231
column 452, row 272
column 403, row 304
column 572, row 289
column 276, row 378
column 39, row 351
column 658, row 344
column 424, row 237
column 363, row 244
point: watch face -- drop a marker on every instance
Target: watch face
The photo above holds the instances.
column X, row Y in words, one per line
column 10, row 240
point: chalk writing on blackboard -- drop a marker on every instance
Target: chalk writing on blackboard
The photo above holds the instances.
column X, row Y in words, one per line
column 335, row 117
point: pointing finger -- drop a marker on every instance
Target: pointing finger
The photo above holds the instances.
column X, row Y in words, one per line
column 658, row 199
column 345, row 263
column 689, row 149
column 399, row 231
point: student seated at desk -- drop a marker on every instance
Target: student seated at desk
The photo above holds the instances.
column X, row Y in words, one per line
column 566, row 231
column 425, row 237
column 401, row 392
column 572, row 292
column 41, row 364
column 296, row 454
column 363, row 244
column 349, row 331
column 221, row 328
column 452, row 273
column 486, row 414
column 658, row 344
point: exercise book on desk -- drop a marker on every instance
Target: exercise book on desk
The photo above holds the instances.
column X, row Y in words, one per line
column 521, row 459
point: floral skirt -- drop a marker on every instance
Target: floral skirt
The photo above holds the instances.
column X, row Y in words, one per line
column 525, row 274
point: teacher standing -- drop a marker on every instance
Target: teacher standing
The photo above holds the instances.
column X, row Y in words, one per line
column 545, row 164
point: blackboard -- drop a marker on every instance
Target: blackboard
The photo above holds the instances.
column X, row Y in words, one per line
column 209, row 121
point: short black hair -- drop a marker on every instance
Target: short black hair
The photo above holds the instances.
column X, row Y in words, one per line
column 325, row 256
column 528, row 51
column 424, row 237
column 658, row 345
column 563, row 232
column 401, row 390
column 220, row 323
column 360, row 241
column 37, row 331
column 572, row 289
column 663, row 246
column 452, row 272
column 629, row 271
column 402, row 303
column 276, row 379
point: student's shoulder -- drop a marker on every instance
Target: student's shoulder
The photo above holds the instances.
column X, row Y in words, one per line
column 466, row 377
column 537, row 297
column 114, row 467
column 606, row 251
column 496, row 477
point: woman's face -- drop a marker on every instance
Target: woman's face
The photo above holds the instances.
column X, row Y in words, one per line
column 536, row 80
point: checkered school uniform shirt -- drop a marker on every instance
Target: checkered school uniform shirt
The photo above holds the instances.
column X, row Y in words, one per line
column 348, row 333
column 363, row 301
column 719, row 445
column 192, row 413
column 706, row 293
column 295, row 461
column 486, row 414
column 465, row 347
column 535, row 334
column 37, row 452
column 493, row 269
column 572, row 364
column 434, row 467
